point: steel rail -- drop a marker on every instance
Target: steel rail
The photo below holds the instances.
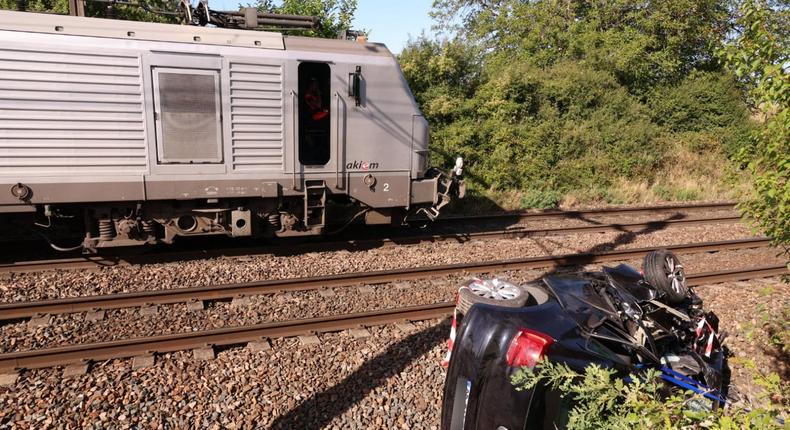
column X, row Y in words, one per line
column 737, row 275
column 585, row 213
column 83, row 353
column 218, row 292
column 520, row 233
column 512, row 233
column 218, row 337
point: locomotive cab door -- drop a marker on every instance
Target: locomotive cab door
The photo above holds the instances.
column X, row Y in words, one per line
column 315, row 138
column 319, row 116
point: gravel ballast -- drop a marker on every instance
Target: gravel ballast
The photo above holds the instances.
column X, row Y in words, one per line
column 129, row 323
column 390, row 380
column 58, row 284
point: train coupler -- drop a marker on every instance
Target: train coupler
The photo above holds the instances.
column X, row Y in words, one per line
column 449, row 186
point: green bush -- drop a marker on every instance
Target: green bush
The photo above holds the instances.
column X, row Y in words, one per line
column 706, row 107
column 600, row 399
column 560, row 98
column 759, row 54
column 540, row 199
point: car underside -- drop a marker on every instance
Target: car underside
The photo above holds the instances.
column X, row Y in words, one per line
column 617, row 318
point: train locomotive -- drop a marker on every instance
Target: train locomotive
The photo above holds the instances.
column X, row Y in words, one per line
column 128, row 133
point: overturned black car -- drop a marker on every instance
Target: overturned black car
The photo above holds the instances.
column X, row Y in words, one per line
column 616, row 318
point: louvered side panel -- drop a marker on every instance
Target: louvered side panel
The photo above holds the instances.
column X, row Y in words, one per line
column 256, row 111
column 68, row 113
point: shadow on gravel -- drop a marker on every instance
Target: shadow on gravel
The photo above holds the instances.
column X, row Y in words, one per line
column 623, row 238
column 321, row 408
column 779, row 352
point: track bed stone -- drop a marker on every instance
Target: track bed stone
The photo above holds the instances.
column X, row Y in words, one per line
column 391, row 379
column 59, row 284
column 133, row 322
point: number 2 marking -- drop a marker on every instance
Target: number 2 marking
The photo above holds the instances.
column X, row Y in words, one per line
column 386, row 187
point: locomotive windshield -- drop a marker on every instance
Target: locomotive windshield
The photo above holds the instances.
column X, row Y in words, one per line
column 314, row 115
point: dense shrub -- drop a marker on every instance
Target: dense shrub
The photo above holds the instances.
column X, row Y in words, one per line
column 554, row 98
column 601, row 399
column 569, row 126
column 759, row 55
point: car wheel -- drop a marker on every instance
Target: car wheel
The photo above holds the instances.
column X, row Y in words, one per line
column 492, row 292
column 664, row 272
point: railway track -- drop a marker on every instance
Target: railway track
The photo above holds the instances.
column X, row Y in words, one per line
column 148, row 346
column 97, row 261
column 587, row 213
column 17, row 310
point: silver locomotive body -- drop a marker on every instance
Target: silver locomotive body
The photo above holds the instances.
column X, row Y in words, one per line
column 145, row 131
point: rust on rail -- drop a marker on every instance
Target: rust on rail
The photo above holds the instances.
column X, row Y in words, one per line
column 218, row 292
column 239, row 335
column 218, row 337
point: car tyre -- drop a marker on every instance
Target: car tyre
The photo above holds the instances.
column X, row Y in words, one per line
column 491, row 292
column 663, row 271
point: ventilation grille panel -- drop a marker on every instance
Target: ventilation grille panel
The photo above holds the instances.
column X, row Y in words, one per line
column 256, row 117
column 69, row 113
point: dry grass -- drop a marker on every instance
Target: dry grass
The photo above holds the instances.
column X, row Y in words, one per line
column 688, row 175
column 692, row 171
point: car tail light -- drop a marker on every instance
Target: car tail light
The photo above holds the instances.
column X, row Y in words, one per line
column 527, row 348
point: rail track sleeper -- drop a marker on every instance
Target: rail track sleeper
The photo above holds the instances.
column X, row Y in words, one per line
column 75, row 369
column 405, row 326
column 95, row 315
column 39, row 321
column 11, row 311
column 259, row 345
column 241, row 301
column 195, row 305
column 8, row 379
column 359, row 333
column 326, row 293
column 11, row 362
column 205, row 353
column 142, row 361
column 149, row 310
column 308, row 339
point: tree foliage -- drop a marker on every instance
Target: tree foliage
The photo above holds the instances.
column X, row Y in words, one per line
column 641, row 43
column 54, row 6
column 99, row 9
column 760, row 56
column 333, row 15
column 551, row 96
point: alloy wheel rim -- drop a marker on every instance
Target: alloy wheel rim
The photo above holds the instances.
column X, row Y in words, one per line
column 494, row 289
column 676, row 275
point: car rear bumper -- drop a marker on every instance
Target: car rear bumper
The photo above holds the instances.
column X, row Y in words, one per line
column 478, row 392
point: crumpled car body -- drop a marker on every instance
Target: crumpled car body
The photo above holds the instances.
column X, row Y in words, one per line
column 612, row 318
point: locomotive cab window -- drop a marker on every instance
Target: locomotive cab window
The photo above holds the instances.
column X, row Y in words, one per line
column 187, row 114
column 314, row 114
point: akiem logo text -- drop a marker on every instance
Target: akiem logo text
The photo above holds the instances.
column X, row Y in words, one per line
column 361, row 165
